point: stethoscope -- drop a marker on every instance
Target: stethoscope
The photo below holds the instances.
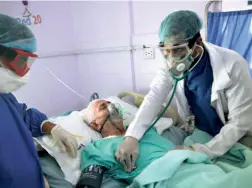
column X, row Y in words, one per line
column 176, row 80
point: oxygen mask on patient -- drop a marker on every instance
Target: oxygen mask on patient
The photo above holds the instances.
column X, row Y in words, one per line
column 105, row 117
column 114, row 112
column 115, row 123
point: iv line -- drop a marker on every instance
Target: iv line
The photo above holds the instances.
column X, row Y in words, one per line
column 63, row 83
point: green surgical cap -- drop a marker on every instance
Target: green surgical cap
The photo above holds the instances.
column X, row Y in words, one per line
column 179, row 26
column 16, row 35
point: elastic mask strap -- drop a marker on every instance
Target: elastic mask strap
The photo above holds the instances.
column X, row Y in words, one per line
column 193, row 40
column 189, row 54
column 8, row 52
column 104, row 123
column 198, row 54
column 198, row 59
column 112, row 124
column 2, row 50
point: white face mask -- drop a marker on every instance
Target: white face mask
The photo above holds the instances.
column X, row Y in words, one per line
column 10, row 82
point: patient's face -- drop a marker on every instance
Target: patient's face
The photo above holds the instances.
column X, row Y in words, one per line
column 102, row 120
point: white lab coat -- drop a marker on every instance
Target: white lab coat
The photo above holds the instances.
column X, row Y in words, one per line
column 231, row 97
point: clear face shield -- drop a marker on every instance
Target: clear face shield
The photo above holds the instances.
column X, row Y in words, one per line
column 179, row 58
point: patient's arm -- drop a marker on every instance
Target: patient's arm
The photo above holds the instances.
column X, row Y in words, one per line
column 47, row 127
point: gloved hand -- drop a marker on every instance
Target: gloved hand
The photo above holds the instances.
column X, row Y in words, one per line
column 127, row 153
column 65, row 140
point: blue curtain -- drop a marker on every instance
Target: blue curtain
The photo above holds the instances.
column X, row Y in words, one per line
column 232, row 30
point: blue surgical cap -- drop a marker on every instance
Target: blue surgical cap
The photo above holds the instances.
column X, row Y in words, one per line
column 179, row 26
column 16, row 35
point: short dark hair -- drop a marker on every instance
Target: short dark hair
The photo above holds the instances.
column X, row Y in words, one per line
column 192, row 41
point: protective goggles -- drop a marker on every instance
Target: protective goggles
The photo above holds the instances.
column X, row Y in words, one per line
column 177, row 52
column 18, row 61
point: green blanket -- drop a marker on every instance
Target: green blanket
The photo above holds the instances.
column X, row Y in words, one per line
column 191, row 169
column 101, row 152
column 174, row 169
column 238, row 157
column 188, row 169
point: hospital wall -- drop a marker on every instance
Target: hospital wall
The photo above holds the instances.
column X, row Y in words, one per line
column 87, row 45
column 233, row 5
column 115, row 26
column 103, row 33
column 146, row 27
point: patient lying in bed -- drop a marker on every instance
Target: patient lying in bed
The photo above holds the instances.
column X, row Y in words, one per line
column 155, row 166
column 101, row 152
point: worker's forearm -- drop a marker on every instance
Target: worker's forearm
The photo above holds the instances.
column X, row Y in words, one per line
column 47, row 127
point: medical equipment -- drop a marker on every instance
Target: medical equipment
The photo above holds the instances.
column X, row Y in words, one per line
column 91, row 177
column 64, row 84
column 176, row 80
column 114, row 116
column 81, row 146
column 94, row 96
column 114, row 111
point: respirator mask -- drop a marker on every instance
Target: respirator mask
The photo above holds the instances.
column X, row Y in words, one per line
column 179, row 58
column 9, row 81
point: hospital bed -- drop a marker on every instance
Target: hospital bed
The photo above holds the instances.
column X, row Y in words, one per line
column 235, row 162
column 52, row 170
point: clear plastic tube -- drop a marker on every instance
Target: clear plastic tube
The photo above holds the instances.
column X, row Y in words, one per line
column 67, row 86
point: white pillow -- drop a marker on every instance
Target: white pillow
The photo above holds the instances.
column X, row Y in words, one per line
column 74, row 124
